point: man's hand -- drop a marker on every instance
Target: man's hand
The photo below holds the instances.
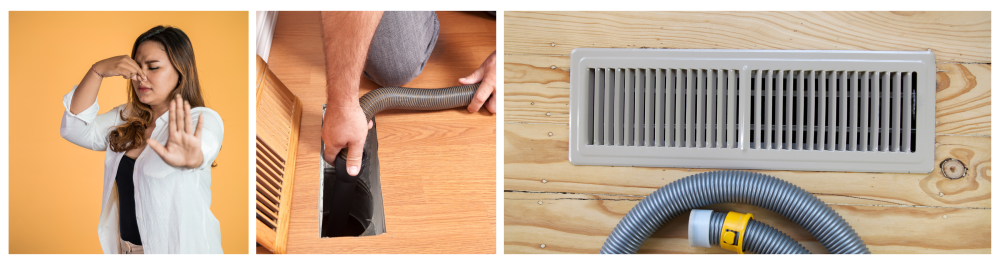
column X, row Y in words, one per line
column 344, row 127
column 487, row 73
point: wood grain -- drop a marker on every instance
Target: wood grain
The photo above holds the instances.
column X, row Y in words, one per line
column 572, row 209
column 963, row 99
column 438, row 168
column 530, row 156
column 954, row 36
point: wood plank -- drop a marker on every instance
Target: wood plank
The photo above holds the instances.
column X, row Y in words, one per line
column 558, row 222
column 438, row 168
column 954, row 36
column 963, row 99
column 449, row 228
column 531, row 155
column 536, row 93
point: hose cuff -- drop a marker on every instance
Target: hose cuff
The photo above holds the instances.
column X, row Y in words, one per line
column 698, row 228
column 733, row 231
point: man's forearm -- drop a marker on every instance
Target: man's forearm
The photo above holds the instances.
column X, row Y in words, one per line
column 346, row 37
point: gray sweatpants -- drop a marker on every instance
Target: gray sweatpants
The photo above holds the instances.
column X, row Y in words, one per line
column 401, row 46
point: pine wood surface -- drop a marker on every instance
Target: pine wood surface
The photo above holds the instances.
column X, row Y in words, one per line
column 572, row 209
column 438, row 168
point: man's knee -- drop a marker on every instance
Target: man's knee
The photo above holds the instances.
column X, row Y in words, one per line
column 401, row 46
column 395, row 72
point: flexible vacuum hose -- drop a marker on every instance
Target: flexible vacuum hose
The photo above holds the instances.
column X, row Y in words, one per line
column 735, row 187
column 416, row 98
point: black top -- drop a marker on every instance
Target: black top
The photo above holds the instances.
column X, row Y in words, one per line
column 127, row 225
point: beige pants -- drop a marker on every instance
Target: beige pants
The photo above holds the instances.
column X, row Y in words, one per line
column 129, row 248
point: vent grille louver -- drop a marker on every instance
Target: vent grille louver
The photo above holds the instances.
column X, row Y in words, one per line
column 279, row 115
column 803, row 110
column 641, row 99
column 270, row 170
column 833, row 110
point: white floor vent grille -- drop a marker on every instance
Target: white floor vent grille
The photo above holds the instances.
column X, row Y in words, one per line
column 752, row 109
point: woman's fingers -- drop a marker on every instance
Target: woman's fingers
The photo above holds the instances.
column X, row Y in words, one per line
column 197, row 130
column 172, row 118
column 179, row 122
column 157, row 147
column 128, row 69
column 142, row 75
column 188, row 126
column 135, row 69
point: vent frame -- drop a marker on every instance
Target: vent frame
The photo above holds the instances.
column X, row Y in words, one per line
column 744, row 156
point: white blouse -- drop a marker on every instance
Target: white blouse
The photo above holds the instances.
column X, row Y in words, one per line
column 171, row 203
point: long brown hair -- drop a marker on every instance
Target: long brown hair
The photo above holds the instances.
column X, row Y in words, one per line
column 138, row 115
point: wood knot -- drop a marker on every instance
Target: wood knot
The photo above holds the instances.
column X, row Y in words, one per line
column 953, row 168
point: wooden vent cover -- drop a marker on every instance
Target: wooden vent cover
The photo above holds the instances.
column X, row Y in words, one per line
column 278, row 115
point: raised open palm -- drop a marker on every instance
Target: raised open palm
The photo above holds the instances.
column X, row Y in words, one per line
column 183, row 140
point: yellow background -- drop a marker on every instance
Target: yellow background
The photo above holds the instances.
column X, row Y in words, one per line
column 55, row 186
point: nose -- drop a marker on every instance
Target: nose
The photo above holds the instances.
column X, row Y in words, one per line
column 136, row 84
column 140, row 79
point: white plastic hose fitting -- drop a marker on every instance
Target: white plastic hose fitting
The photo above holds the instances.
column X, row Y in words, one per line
column 698, row 228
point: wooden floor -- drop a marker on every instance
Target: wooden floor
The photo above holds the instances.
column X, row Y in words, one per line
column 438, row 168
column 552, row 206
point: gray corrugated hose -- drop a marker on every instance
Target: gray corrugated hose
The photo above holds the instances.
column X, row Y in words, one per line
column 739, row 187
column 414, row 99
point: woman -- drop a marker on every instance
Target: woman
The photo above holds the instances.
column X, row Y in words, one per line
column 154, row 201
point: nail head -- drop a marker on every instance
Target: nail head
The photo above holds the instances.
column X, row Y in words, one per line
column 545, row 181
column 539, row 202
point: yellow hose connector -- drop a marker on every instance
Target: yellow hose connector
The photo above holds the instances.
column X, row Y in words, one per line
column 732, row 231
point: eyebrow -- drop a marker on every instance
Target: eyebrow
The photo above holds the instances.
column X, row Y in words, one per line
column 152, row 61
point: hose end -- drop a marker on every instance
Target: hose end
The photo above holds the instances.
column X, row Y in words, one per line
column 698, row 228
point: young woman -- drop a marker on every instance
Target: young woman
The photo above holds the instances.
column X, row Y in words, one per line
column 156, row 199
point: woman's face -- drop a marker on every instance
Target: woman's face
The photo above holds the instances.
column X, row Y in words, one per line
column 161, row 77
